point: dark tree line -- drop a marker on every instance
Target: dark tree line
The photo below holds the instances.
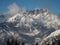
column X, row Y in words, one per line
column 12, row 42
column 15, row 42
column 56, row 42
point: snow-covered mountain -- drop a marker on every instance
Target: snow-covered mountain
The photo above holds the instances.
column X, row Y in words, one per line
column 29, row 26
column 39, row 19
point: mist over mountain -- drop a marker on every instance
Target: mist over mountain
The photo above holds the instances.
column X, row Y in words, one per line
column 28, row 26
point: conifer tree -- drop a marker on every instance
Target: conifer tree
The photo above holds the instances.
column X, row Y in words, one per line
column 23, row 43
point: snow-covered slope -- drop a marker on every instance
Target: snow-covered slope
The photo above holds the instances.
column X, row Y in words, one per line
column 53, row 37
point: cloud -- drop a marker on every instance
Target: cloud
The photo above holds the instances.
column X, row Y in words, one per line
column 13, row 9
